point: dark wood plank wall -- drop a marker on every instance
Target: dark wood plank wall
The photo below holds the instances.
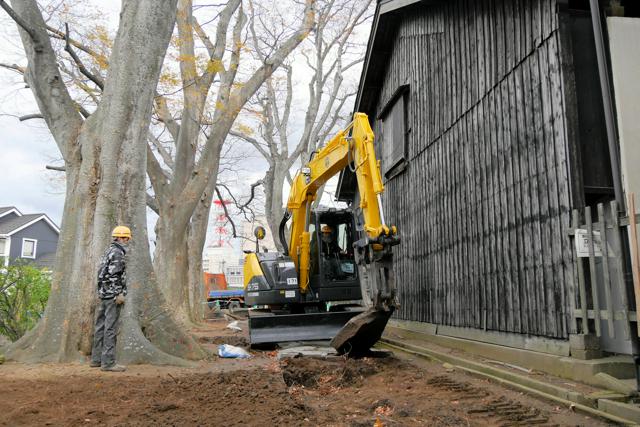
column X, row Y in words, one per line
column 484, row 202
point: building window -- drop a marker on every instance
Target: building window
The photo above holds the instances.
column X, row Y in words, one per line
column 29, row 248
column 4, row 247
column 393, row 138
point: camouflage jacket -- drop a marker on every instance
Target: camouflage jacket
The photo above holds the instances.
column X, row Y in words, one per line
column 112, row 275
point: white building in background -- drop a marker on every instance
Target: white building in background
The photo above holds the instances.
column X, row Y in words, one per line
column 214, row 259
column 234, row 275
column 224, row 260
column 228, row 259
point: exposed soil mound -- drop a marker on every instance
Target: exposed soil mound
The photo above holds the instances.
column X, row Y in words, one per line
column 310, row 373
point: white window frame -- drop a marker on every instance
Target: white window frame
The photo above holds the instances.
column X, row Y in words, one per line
column 35, row 248
column 7, row 248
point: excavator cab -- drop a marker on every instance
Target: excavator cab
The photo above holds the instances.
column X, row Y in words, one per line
column 334, row 274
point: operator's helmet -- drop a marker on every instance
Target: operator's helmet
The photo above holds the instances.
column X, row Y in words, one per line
column 121, row 231
column 326, row 229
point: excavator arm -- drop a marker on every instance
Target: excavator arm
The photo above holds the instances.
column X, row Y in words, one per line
column 352, row 147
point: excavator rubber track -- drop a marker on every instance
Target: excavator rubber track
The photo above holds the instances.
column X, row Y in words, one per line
column 270, row 328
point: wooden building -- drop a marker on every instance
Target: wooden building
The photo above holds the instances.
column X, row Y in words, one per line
column 491, row 123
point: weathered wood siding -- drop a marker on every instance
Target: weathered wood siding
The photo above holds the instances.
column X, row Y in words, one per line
column 484, row 202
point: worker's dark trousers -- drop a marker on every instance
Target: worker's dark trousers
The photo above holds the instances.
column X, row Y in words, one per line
column 104, row 334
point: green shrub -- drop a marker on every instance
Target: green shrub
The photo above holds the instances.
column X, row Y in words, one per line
column 24, row 291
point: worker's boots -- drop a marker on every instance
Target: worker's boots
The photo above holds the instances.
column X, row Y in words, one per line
column 115, row 368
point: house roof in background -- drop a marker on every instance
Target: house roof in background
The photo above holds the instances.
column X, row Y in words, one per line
column 6, row 210
column 9, row 226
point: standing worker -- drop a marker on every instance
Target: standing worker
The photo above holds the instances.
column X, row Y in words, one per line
column 112, row 288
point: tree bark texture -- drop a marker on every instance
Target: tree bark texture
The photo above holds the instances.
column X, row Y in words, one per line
column 273, row 190
column 105, row 159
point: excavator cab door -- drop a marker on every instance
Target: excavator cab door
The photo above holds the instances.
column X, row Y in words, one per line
column 334, row 273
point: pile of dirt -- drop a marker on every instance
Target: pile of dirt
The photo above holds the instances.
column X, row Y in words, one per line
column 338, row 372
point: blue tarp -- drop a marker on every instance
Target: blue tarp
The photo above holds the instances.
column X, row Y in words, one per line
column 230, row 293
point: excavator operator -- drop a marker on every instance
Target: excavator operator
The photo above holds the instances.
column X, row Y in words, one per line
column 331, row 252
column 329, row 244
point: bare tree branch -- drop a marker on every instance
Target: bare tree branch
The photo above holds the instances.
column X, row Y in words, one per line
column 18, row 69
column 23, row 24
column 251, row 141
column 56, row 168
column 83, row 111
column 165, row 117
column 152, row 204
column 204, row 38
column 164, row 154
column 30, row 116
column 214, row 66
column 159, row 180
column 43, row 76
column 253, row 189
column 57, row 34
column 226, row 212
column 67, row 47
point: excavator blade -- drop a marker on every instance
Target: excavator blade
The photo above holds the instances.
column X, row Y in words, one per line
column 266, row 327
column 361, row 332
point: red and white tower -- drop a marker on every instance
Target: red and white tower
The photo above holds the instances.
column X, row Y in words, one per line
column 221, row 234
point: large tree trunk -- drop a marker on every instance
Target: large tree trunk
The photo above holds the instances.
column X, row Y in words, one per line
column 273, row 183
column 105, row 187
column 178, row 255
column 196, row 238
column 171, row 263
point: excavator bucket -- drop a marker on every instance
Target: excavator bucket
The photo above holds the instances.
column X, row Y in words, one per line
column 361, row 332
column 266, row 327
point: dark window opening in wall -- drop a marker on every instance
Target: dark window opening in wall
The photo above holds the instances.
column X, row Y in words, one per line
column 622, row 8
column 592, row 144
column 393, row 133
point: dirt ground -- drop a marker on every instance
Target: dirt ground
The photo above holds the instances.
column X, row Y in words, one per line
column 384, row 391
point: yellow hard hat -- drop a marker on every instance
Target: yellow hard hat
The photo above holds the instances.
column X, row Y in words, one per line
column 121, row 231
column 326, row 229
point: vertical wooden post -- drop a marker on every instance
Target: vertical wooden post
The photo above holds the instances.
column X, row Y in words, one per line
column 573, row 286
column 605, row 269
column 619, row 279
column 592, row 271
column 581, row 284
column 635, row 262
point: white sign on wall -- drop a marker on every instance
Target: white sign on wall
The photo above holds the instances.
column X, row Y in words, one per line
column 582, row 243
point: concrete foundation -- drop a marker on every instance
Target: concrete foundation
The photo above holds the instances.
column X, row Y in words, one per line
column 572, row 368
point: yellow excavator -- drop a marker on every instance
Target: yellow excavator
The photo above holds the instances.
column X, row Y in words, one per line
column 335, row 278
